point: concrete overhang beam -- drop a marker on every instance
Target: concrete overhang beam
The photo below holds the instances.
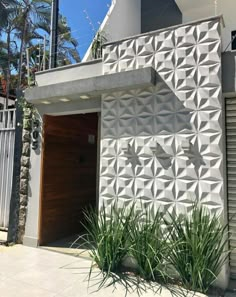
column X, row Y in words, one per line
column 92, row 87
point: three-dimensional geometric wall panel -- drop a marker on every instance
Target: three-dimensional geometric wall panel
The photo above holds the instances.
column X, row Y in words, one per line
column 163, row 144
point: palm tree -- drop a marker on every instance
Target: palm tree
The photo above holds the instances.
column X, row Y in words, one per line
column 30, row 13
column 19, row 18
column 26, row 23
column 8, row 61
column 7, row 12
column 6, row 7
column 36, row 15
column 67, row 45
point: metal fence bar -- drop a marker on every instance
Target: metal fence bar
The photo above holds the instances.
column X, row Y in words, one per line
column 3, row 177
column 7, row 143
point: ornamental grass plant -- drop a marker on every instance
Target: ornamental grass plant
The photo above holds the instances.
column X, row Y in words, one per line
column 199, row 248
column 107, row 235
column 189, row 250
column 150, row 247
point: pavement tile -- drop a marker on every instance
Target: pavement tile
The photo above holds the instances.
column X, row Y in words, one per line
column 13, row 288
column 33, row 272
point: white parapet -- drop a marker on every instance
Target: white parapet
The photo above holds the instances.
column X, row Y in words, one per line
column 198, row 9
column 122, row 20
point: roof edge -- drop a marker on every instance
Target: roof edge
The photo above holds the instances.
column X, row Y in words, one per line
column 218, row 17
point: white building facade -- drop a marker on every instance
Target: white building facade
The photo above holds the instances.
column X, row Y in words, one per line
column 162, row 123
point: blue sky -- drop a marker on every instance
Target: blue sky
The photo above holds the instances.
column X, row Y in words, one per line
column 73, row 10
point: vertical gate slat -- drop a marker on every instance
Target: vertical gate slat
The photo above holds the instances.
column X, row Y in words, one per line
column 3, row 177
column 11, row 163
column 7, row 142
column 2, row 134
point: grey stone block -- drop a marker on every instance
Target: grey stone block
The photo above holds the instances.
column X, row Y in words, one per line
column 25, row 161
column 24, row 186
column 23, row 200
column 26, row 136
column 26, row 149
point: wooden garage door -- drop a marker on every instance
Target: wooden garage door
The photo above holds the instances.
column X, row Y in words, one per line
column 69, row 174
column 231, row 175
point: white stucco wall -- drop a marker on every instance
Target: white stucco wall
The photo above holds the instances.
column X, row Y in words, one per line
column 122, row 20
column 32, row 222
column 198, row 9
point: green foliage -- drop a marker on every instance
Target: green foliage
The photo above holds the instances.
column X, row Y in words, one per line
column 108, row 236
column 29, row 111
column 150, row 246
column 24, row 24
column 98, row 42
column 193, row 245
column 199, row 248
column 6, row 7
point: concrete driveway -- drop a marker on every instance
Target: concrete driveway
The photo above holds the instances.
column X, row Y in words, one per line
column 32, row 272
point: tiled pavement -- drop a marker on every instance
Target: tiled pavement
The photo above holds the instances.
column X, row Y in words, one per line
column 32, row 272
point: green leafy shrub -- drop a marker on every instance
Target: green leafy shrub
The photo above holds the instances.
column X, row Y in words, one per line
column 107, row 235
column 149, row 247
column 199, row 249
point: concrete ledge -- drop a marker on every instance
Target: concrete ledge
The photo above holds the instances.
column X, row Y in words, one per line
column 92, row 87
column 69, row 73
column 62, row 68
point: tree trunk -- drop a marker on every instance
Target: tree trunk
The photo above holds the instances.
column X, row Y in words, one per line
column 23, row 43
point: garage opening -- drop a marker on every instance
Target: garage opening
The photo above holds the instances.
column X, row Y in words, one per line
column 69, row 174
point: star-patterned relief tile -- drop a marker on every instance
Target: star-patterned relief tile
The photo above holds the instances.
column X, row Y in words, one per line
column 191, row 151
column 145, row 106
column 131, row 155
column 163, row 158
column 109, row 148
column 110, row 58
column 185, row 106
column 128, row 55
column 186, row 58
column 126, row 127
column 108, row 188
column 210, row 192
column 109, row 168
column 145, row 125
column 188, row 173
column 208, row 32
column 145, row 45
column 209, row 98
column 186, row 191
column 126, row 108
column 109, row 129
column 185, row 36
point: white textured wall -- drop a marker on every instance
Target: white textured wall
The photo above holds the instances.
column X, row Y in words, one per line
column 146, row 132
column 197, row 9
column 122, row 20
column 163, row 145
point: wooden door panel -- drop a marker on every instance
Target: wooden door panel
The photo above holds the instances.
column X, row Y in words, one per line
column 69, row 174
